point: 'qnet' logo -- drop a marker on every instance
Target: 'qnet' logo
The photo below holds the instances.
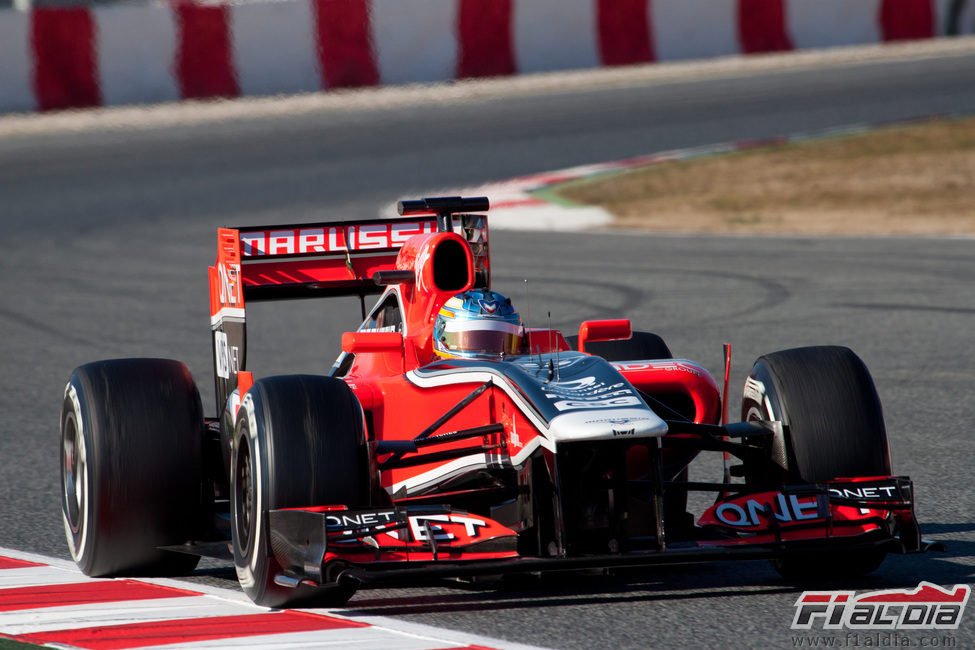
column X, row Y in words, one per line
column 926, row 607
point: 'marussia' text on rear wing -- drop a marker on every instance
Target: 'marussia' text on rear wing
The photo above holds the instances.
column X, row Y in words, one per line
column 312, row 260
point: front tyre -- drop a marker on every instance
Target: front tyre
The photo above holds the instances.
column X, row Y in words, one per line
column 833, row 427
column 299, row 441
column 131, row 466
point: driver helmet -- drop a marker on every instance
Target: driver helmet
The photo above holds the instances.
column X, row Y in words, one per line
column 477, row 324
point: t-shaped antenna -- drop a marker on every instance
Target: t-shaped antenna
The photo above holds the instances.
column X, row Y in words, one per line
column 445, row 207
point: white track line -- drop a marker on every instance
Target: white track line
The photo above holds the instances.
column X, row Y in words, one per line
column 37, row 576
column 355, row 638
column 72, row 617
column 376, row 632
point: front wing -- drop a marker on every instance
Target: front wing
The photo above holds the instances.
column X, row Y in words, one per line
column 326, row 545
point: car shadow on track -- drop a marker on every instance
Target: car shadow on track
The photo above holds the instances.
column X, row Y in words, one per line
column 559, row 590
column 944, row 529
column 722, row 580
column 670, row 583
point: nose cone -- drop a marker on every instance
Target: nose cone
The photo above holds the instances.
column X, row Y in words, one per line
column 607, row 424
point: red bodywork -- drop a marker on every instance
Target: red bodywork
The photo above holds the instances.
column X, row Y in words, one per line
column 497, row 433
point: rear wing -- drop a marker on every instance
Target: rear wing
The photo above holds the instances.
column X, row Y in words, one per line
column 313, row 260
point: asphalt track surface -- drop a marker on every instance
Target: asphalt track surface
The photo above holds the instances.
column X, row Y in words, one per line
column 106, row 237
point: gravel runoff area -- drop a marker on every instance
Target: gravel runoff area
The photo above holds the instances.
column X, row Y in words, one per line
column 905, row 179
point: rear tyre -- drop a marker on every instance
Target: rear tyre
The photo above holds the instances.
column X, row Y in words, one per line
column 640, row 346
column 299, row 441
column 833, row 428
column 131, row 466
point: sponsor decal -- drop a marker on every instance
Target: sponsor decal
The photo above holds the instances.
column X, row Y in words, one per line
column 385, row 328
column 445, row 528
column 331, row 239
column 515, row 439
column 666, row 366
column 588, row 403
column 615, row 402
column 227, row 356
column 868, row 493
column 590, row 393
column 845, row 501
column 221, row 351
column 359, row 519
column 230, row 290
column 616, row 421
column 747, row 513
column 754, row 390
column 926, row 607
column 489, row 306
column 566, row 361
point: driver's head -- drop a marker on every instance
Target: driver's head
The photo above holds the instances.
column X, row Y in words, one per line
column 477, row 324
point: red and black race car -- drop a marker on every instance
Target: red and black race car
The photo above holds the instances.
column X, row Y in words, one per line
column 449, row 439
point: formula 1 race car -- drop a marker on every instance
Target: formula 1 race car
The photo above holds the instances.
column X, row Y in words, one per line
column 451, row 439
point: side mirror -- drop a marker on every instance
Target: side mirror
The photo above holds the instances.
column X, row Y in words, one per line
column 604, row 330
column 358, row 342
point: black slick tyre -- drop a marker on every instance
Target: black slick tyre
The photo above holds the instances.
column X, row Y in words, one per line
column 833, row 428
column 299, row 441
column 131, row 466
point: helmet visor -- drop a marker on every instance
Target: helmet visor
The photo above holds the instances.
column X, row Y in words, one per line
column 482, row 336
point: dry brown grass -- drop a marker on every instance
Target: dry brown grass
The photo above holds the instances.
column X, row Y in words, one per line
column 917, row 179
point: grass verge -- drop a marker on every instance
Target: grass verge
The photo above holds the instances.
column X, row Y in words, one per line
column 9, row 644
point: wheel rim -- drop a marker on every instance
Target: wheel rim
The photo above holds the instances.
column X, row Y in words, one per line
column 244, row 494
column 74, row 466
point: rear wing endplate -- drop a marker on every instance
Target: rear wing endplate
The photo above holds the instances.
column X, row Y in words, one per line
column 312, row 260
